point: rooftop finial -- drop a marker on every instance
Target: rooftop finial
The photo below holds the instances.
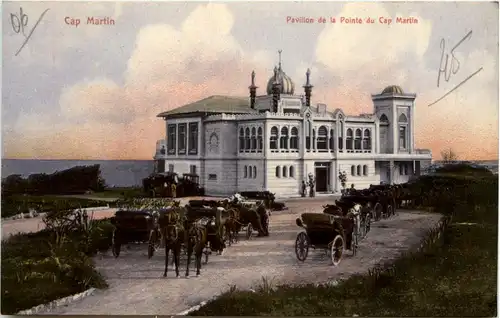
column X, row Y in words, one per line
column 308, row 73
column 279, row 52
column 253, row 77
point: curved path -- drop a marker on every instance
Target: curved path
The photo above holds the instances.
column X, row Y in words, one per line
column 137, row 285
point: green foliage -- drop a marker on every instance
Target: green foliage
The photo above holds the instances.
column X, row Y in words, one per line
column 75, row 180
column 343, row 178
column 12, row 205
column 56, row 262
column 454, row 273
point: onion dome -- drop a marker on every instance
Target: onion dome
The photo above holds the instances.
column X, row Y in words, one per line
column 286, row 84
column 393, row 90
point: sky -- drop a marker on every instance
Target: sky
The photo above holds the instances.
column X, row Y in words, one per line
column 93, row 91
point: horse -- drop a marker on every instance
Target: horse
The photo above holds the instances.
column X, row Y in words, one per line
column 172, row 226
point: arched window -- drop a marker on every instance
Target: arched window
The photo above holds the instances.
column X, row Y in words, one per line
column 250, row 172
column 353, row 170
column 384, row 119
column 357, row 141
column 349, row 139
column 359, row 170
column 332, row 140
column 294, row 138
column 259, row 140
column 403, row 131
column 365, row 170
column 254, row 172
column 242, row 139
column 341, row 136
column 308, row 130
column 247, row 139
column 367, row 143
column 292, row 172
column 314, row 139
column 273, row 139
column 245, row 173
column 285, row 172
column 322, row 138
column 254, row 139
column 278, row 171
column 284, row 138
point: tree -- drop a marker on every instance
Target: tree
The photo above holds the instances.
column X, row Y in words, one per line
column 343, row 179
column 449, row 155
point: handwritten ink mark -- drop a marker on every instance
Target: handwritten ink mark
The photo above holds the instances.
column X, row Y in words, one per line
column 454, row 66
column 454, row 88
column 19, row 22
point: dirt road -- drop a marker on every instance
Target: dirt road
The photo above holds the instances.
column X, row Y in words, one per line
column 137, row 285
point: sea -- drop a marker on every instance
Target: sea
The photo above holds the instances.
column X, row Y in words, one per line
column 116, row 173
column 120, row 173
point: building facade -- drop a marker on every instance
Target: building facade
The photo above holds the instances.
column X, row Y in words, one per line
column 274, row 141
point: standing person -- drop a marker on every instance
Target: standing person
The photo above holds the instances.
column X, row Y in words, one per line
column 174, row 190
column 304, row 188
column 311, row 185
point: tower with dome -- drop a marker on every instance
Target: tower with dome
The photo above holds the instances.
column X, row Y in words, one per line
column 276, row 140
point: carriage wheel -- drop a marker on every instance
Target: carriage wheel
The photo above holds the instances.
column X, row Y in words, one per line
column 302, row 246
column 249, row 230
column 377, row 211
column 337, row 249
column 115, row 243
column 153, row 241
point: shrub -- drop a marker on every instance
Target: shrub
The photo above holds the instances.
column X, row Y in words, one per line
column 56, row 262
column 453, row 274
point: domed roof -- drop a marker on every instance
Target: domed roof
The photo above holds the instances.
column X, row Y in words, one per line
column 287, row 85
column 393, row 89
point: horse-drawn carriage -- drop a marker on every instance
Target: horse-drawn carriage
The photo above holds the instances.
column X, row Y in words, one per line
column 379, row 200
column 169, row 184
column 325, row 231
column 267, row 197
column 136, row 225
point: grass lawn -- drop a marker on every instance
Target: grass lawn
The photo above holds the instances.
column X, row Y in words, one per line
column 16, row 204
column 113, row 193
column 456, row 276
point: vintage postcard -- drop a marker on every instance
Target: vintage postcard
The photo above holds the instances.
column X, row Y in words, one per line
column 290, row 158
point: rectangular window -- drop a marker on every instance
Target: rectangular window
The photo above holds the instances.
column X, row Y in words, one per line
column 402, row 137
column 182, row 139
column 171, row 139
column 212, row 177
column 192, row 169
column 170, row 168
column 193, row 138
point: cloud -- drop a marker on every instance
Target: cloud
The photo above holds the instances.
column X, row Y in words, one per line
column 169, row 67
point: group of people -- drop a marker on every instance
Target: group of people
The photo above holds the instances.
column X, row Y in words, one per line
column 310, row 183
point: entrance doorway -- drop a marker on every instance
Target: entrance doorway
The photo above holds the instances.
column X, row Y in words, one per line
column 322, row 172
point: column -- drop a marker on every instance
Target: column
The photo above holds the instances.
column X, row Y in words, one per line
column 391, row 171
column 289, row 135
column 315, row 138
column 328, row 140
column 362, row 139
column 279, row 139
